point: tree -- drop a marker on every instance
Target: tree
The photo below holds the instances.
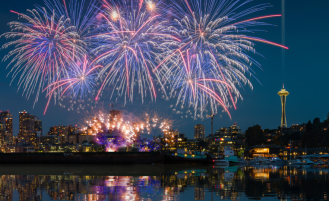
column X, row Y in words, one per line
column 317, row 125
column 316, row 121
column 309, row 126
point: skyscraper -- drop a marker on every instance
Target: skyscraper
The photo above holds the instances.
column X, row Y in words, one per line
column 6, row 128
column 38, row 126
column 29, row 126
column 199, row 132
column 283, row 94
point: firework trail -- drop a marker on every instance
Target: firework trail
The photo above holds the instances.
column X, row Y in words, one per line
column 212, row 61
column 131, row 46
column 44, row 46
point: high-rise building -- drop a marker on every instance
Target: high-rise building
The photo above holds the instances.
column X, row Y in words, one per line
column 283, row 95
column 199, row 132
column 29, row 126
column 38, row 126
column 6, row 128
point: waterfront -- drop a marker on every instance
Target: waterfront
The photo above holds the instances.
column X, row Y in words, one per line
column 162, row 182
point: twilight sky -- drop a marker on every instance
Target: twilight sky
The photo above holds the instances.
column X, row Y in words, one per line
column 306, row 74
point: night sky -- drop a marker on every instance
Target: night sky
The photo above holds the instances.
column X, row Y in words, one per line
column 306, row 74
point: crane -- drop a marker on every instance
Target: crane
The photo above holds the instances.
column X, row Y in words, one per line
column 112, row 105
column 212, row 122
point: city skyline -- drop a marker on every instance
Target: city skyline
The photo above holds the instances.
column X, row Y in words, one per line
column 260, row 105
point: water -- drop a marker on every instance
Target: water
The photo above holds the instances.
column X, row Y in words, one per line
column 162, row 182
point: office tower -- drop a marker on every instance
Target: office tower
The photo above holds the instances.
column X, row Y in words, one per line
column 6, row 128
column 199, row 132
column 38, row 126
column 27, row 128
column 283, row 95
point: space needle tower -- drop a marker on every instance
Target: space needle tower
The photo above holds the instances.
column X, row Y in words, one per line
column 283, row 95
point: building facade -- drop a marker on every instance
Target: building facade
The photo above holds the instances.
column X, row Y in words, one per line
column 6, row 128
column 226, row 137
column 199, row 132
column 29, row 127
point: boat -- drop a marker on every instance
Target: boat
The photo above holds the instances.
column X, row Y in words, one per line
column 301, row 161
column 229, row 155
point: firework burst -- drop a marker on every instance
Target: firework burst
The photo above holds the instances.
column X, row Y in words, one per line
column 201, row 52
column 212, row 61
column 43, row 48
column 133, row 43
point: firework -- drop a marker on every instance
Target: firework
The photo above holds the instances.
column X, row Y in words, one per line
column 198, row 86
column 82, row 16
column 44, row 46
column 212, row 60
column 133, row 43
column 116, row 130
column 79, row 82
column 199, row 50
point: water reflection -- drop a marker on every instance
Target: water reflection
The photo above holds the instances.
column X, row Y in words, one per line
column 162, row 182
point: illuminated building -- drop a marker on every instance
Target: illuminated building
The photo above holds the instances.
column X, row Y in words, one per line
column 181, row 142
column 227, row 136
column 295, row 152
column 169, row 140
column 27, row 127
column 199, row 132
column 38, row 127
column 283, row 95
column 73, row 138
column 263, row 151
column 298, row 127
column 49, row 140
column 6, row 127
column 63, row 133
column 192, row 145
